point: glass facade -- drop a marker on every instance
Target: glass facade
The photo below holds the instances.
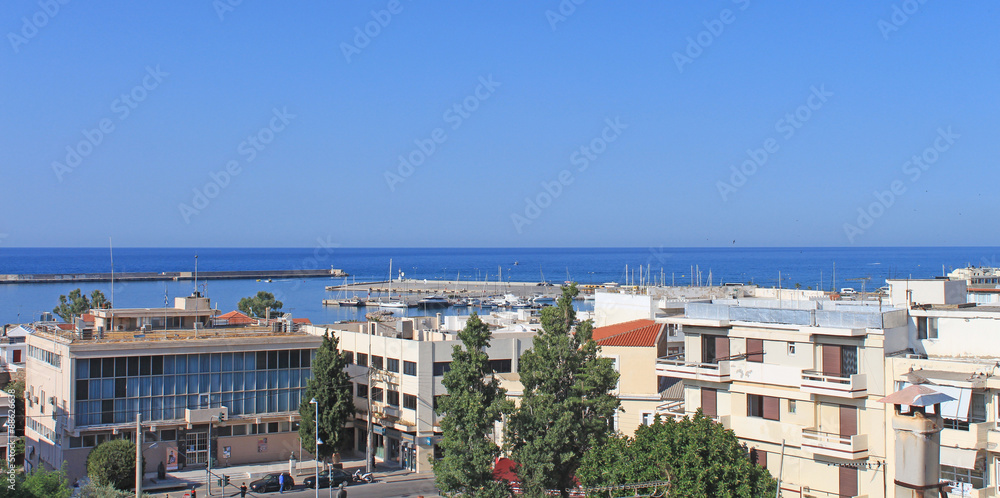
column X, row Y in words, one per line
column 114, row 390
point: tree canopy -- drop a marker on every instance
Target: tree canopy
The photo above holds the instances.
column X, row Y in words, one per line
column 474, row 403
column 330, row 385
column 257, row 305
column 77, row 304
column 697, row 455
column 113, row 463
column 40, row 483
column 567, row 407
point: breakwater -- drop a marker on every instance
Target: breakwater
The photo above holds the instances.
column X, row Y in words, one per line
column 167, row 275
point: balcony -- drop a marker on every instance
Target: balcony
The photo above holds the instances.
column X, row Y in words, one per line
column 816, row 382
column 834, row 445
column 672, row 408
column 972, row 435
column 681, row 369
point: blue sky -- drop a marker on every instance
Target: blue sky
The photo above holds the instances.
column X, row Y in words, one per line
column 312, row 118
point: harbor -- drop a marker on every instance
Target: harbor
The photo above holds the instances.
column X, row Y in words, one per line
column 420, row 293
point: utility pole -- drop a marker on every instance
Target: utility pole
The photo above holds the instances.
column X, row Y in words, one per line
column 138, row 454
column 369, row 451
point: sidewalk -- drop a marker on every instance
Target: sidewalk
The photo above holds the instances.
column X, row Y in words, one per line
column 238, row 474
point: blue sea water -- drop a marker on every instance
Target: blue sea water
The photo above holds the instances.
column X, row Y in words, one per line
column 303, row 298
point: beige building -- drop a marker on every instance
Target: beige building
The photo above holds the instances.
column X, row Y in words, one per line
column 635, row 347
column 232, row 393
column 798, row 381
column 399, row 368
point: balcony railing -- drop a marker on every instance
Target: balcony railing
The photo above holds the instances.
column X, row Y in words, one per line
column 673, row 408
column 834, row 445
column 851, row 386
column 711, row 372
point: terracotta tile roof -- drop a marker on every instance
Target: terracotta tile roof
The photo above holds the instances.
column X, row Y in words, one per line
column 234, row 318
column 302, row 320
column 637, row 333
column 87, row 317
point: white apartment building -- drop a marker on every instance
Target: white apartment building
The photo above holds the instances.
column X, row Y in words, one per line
column 798, row 381
column 399, row 368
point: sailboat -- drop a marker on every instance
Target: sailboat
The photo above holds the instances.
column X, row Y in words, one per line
column 390, row 303
column 349, row 302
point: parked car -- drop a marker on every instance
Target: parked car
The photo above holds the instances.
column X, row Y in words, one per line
column 332, row 477
column 269, row 483
column 848, row 291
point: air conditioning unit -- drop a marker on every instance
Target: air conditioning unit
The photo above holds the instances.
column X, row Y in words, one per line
column 52, row 400
column 916, row 356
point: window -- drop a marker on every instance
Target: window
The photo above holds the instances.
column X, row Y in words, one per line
column 440, row 367
column 168, row 435
column 647, row 418
column 977, row 410
column 927, row 327
column 409, row 402
column 963, row 478
column 377, row 362
column 755, row 350
column 709, row 402
column 758, row 457
column 362, row 391
column 224, row 431
column 363, row 359
column 791, row 349
column 762, row 406
column 409, row 368
column 393, row 398
column 350, row 356
column 392, row 365
column 377, row 394
column 500, row 366
column 791, row 406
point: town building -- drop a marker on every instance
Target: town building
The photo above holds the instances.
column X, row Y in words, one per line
column 398, row 368
column 230, row 392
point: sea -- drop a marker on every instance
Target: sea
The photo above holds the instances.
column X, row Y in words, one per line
column 805, row 267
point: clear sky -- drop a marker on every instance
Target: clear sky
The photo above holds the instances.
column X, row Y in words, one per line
column 598, row 124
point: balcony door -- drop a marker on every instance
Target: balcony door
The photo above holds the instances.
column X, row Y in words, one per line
column 714, row 347
column 840, row 361
column 848, row 421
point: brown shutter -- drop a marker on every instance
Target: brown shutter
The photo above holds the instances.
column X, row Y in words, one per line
column 831, row 360
column 722, row 347
column 771, row 408
column 848, row 481
column 848, row 421
column 755, row 350
column 708, row 402
column 762, row 458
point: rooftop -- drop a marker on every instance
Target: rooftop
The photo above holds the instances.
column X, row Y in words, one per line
column 636, row 333
column 164, row 335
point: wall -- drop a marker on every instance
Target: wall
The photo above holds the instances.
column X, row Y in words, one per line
column 611, row 308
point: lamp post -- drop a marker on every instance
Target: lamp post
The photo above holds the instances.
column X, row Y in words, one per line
column 138, row 454
column 318, row 442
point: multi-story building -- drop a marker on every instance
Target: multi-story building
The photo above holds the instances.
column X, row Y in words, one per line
column 12, row 349
column 398, row 368
column 797, row 381
column 232, row 393
column 635, row 347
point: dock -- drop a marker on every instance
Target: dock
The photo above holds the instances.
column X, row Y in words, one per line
column 49, row 278
column 457, row 288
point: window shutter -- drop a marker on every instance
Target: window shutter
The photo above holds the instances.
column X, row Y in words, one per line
column 762, row 458
column 848, row 420
column 755, row 350
column 831, row 360
column 708, row 402
column 722, row 347
column 848, row 481
column 771, row 408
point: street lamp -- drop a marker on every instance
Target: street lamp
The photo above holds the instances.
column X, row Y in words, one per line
column 318, row 441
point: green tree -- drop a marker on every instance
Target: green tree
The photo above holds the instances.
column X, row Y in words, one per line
column 330, row 385
column 113, row 463
column 257, row 305
column 567, row 407
column 475, row 401
column 77, row 304
column 697, row 455
column 43, row 483
column 93, row 490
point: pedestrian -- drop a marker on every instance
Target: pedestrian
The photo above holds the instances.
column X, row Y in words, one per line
column 243, row 490
column 281, row 483
column 342, row 493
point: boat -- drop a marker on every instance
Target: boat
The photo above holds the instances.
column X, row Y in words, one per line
column 390, row 303
column 461, row 302
column 433, row 301
column 352, row 302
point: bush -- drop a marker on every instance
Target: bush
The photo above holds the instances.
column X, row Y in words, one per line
column 113, row 463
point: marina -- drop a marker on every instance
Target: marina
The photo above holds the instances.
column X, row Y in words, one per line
column 167, row 275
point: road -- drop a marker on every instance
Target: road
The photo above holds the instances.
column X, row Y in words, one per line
column 403, row 486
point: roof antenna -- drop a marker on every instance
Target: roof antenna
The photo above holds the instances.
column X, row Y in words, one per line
column 195, row 275
column 111, row 250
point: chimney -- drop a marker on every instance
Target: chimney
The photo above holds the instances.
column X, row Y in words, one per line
column 918, row 441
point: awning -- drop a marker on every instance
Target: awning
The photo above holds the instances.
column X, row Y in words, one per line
column 959, row 457
column 958, row 407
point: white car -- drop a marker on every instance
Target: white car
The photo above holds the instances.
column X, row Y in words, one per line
column 848, row 290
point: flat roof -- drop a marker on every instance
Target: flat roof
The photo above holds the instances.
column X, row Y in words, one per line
column 170, row 335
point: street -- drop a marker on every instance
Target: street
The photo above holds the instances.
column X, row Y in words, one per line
column 409, row 486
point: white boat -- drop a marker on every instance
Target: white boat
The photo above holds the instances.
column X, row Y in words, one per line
column 433, row 301
column 390, row 303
